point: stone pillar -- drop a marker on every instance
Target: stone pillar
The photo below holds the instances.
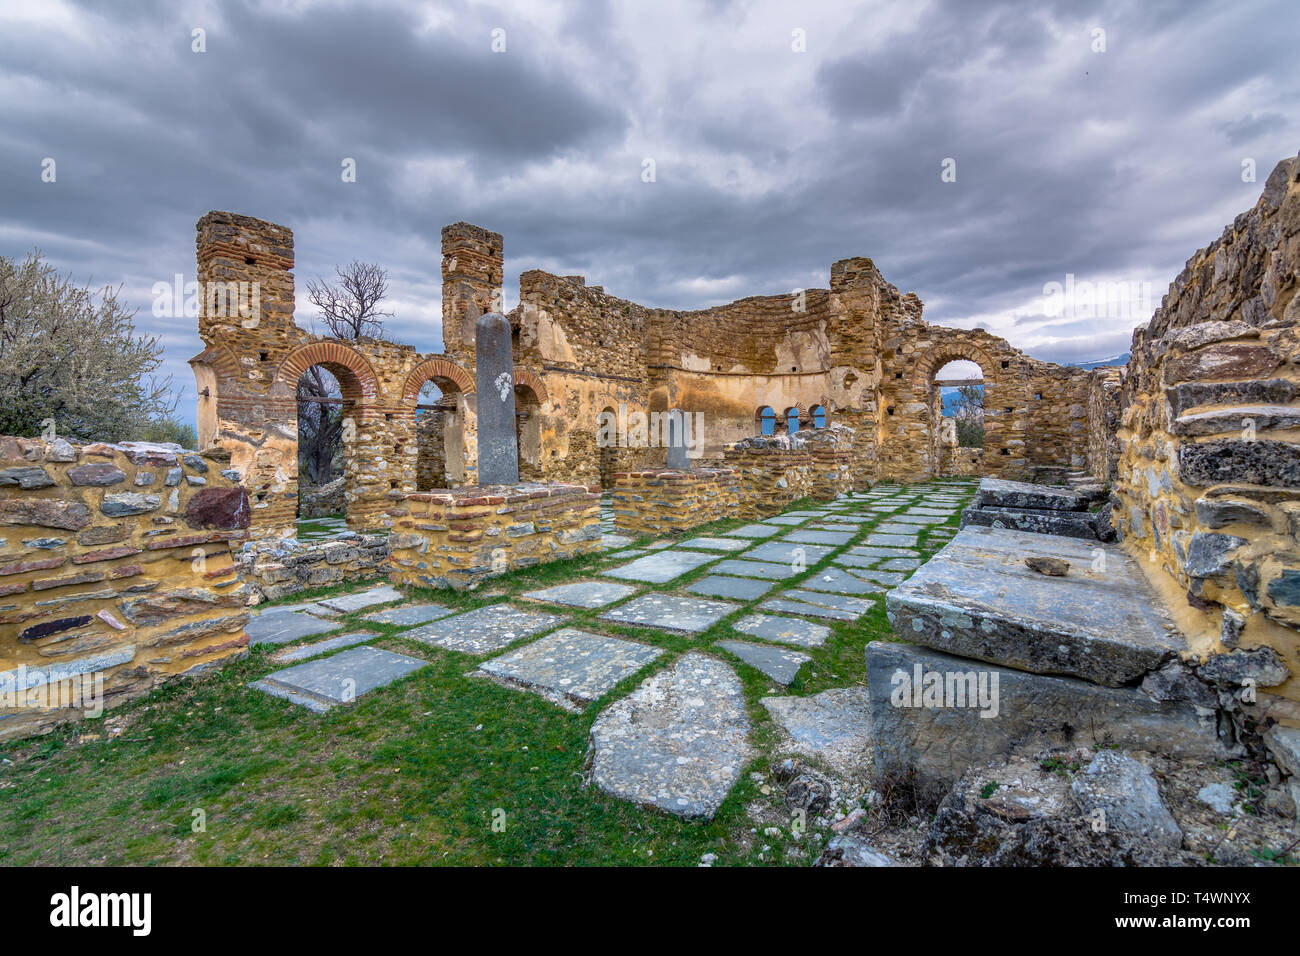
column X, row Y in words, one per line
column 679, row 458
column 498, row 452
column 472, row 263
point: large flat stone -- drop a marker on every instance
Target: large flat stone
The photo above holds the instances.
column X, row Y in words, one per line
column 842, row 602
column 784, row 520
column 409, row 616
column 341, row 679
column 585, row 594
column 782, row 552
column 484, row 629
column 670, row 612
column 939, row 742
column 834, row 726
column 570, row 668
column 743, row 589
column 752, row 531
column 715, row 544
column 384, row 594
column 660, row 567
column 892, row 540
column 1000, row 493
column 757, row 569
column 839, row 582
column 777, row 663
column 783, row 630
column 679, row 742
column 1070, row 524
column 281, row 627
column 832, row 538
column 291, row 654
column 976, row 598
column 786, row 606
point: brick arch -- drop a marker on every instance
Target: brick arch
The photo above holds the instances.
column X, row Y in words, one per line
column 358, row 376
column 951, row 352
column 221, row 360
column 433, row 369
column 527, row 378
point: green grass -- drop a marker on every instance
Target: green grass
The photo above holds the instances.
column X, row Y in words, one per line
column 436, row 768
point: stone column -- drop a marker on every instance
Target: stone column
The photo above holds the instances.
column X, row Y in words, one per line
column 498, row 452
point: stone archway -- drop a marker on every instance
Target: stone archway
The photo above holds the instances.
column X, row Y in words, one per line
column 926, row 384
column 442, row 437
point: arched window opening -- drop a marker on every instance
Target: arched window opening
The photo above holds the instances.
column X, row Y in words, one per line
column 818, row 416
column 767, row 420
column 791, row 420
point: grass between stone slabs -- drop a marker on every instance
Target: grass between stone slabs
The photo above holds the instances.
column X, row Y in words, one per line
column 415, row 773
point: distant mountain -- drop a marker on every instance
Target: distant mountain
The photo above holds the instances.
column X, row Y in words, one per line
column 1121, row 359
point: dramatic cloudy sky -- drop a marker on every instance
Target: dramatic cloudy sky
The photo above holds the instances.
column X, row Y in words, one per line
column 1109, row 165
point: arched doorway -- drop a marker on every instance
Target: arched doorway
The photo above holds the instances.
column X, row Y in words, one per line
column 528, row 432
column 607, row 446
column 956, row 400
column 437, row 391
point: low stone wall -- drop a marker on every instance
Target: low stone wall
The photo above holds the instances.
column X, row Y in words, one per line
column 1209, row 467
column 276, row 568
column 457, row 538
column 962, row 461
column 663, row 501
column 115, row 575
column 769, row 475
column 325, row 501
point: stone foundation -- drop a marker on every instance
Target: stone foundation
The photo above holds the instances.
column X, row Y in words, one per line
column 458, row 537
column 116, row 569
column 663, row 501
column 273, row 569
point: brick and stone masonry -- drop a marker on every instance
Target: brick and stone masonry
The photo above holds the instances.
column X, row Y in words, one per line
column 115, row 560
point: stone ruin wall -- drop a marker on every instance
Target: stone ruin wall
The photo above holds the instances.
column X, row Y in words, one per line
column 115, row 560
column 1209, row 469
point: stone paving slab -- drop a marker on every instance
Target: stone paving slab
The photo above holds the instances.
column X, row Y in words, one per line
column 671, row 612
column 679, row 742
column 933, row 512
column 847, row 519
column 888, row 579
column 660, row 567
column 281, row 627
column 852, row 529
column 384, row 594
column 900, row 564
column 715, row 544
column 894, row 527
column 1000, row 493
column 658, row 545
column 756, row 569
column 892, row 540
column 840, row 602
column 776, row 662
column 341, row 679
column 832, row 538
column 783, row 630
column 839, row 582
column 906, row 523
column 611, row 542
column 785, row 553
column 585, row 594
column 484, row 629
column 784, row 519
column 752, row 531
column 977, row 599
column 854, row 561
column 834, row 726
column 803, row 514
column 311, row 607
column 629, row 553
column 301, row 653
column 570, row 668
column 718, row 585
column 409, row 616
column 783, row 606
column 876, row 551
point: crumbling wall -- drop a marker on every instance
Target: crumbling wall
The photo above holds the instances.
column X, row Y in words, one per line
column 115, row 565
column 665, row 501
column 1209, row 470
column 461, row 537
column 276, row 568
column 1103, row 423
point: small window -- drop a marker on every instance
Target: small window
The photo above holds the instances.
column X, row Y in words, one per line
column 792, row 420
column 818, row 416
column 1006, row 365
column 766, row 421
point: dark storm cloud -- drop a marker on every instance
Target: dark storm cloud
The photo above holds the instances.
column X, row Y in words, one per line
column 770, row 164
